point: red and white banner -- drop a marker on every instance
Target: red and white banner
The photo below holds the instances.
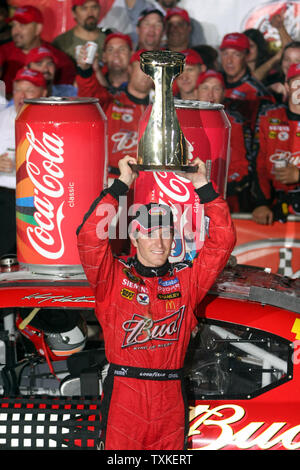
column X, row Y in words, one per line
column 275, row 246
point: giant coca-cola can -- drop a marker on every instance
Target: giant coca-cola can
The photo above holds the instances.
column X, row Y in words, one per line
column 206, row 128
column 61, row 161
column 207, row 131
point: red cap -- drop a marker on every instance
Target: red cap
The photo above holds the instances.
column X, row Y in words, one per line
column 79, row 3
column 27, row 14
column 192, row 57
column 238, row 41
column 210, row 74
column 125, row 38
column 293, row 71
column 178, row 11
column 38, row 53
column 37, row 78
column 136, row 55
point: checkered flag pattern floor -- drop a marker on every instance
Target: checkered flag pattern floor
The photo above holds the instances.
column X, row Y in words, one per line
column 49, row 423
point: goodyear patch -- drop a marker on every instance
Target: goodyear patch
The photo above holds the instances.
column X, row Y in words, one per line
column 127, row 294
column 171, row 295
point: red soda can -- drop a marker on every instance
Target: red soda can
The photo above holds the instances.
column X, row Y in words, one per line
column 206, row 128
column 207, row 131
column 61, row 162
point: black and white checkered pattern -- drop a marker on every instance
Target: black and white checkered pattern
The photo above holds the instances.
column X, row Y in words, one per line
column 49, row 423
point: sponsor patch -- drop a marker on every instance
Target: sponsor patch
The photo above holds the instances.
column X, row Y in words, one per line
column 143, row 299
column 171, row 295
column 116, row 116
column 132, row 277
column 168, row 282
column 283, row 135
column 127, row 294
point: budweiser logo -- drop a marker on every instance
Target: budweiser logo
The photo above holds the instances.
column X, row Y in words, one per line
column 43, row 160
column 125, row 140
column 139, row 330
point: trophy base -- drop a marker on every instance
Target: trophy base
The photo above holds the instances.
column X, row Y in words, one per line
column 185, row 168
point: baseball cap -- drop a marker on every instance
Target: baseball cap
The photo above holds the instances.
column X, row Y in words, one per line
column 178, row 11
column 148, row 11
column 136, row 55
column 293, row 71
column 125, row 38
column 192, row 57
column 76, row 3
column 38, row 53
column 27, row 14
column 37, row 78
column 152, row 216
column 238, row 41
column 210, row 74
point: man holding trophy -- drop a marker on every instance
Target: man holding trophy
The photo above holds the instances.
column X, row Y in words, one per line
column 145, row 304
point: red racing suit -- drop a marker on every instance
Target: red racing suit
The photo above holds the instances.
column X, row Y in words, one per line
column 247, row 95
column 147, row 316
column 277, row 137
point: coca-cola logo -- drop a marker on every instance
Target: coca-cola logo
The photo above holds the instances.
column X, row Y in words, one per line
column 178, row 192
column 140, row 330
column 43, row 164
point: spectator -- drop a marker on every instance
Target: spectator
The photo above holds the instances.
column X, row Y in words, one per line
column 123, row 15
column 260, row 60
column 242, row 91
column 178, row 29
column 5, row 32
column 211, row 87
column 150, row 29
column 277, row 179
column 86, row 14
column 42, row 59
column 276, row 82
column 133, row 11
column 187, row 80
column 209, row 55
column 196, row 34
column 27, row 84
column 116, row 58
column 27, row 25
column 123, row 110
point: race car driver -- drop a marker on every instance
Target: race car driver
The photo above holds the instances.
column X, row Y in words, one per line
column 146, row 309
column 277, row 144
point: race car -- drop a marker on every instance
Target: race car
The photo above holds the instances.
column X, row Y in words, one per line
column 241, row 368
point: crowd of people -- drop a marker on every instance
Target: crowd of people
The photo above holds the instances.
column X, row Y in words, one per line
column 257, row 87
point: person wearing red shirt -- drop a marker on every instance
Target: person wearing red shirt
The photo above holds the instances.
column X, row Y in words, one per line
column 117, row 51
column 123, row 109
column 277, row 146
column 26, row 29
column 144, row 405
column 243, row 92
column 211, row 87
column 186, row 83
